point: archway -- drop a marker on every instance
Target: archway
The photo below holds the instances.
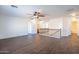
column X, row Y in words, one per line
column 73, row 25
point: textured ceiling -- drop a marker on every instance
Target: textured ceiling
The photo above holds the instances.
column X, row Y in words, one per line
column 50, row 10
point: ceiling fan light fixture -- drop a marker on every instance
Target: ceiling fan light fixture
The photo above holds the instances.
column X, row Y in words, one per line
column 73, row 14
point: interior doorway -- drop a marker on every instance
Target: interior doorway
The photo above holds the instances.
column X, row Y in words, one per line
column 74, row 25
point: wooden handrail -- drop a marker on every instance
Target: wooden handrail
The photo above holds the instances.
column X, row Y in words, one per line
column 58, row 30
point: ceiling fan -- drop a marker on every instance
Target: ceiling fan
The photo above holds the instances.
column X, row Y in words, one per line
column 37, row 14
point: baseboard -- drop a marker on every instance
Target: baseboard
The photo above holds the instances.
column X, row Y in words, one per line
column 13, row 37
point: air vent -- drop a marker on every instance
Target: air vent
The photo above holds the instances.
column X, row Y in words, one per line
column 14, row 6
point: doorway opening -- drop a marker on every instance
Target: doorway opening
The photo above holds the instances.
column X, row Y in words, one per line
column 73, row 26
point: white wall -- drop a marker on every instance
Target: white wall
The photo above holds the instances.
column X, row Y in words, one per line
column 44, row 24
column 12, row 26
column 63, row 23
column 15, row 26
column 56, row 23
column 78, row 26
column 66, row 26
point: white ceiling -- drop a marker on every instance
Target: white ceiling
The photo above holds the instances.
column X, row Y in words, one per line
column 23, row 10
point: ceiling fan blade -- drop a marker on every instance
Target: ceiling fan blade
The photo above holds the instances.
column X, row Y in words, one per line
column 41, row 15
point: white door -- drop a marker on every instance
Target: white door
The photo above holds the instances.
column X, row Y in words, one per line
column 31, row 28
